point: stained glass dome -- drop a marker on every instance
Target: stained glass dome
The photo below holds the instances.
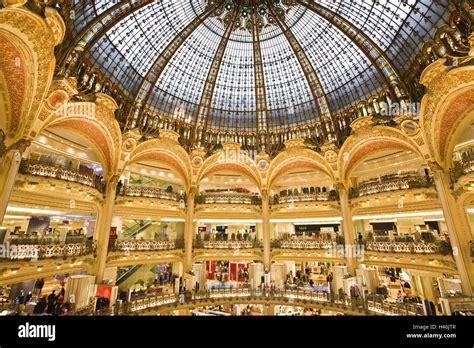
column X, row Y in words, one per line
column 250, row 64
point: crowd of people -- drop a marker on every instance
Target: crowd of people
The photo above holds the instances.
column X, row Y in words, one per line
column 52, row 304
column 241, row 235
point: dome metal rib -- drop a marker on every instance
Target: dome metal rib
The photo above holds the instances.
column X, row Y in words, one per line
column 356, row 51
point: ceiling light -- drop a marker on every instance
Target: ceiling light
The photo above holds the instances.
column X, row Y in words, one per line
column 33, row 211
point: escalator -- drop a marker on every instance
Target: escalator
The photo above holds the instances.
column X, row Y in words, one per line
column 126, row 273
column 131, row 232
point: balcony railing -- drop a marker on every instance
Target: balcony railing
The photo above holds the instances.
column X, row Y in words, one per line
column 468, row 166
column 49, row 170
column 146, row 245
column 45, row 251
column 409, row 247
column 465, row 165
column 150, row 192
column 302, row 244
column 304, row 197
column 367, row 306
column 228, row 244
column 228, row 198
column 389, row 183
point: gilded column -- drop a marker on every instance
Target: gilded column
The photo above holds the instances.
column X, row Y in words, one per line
column 348, row 229
column 104, row 223
column 189, row 230
column 9, row 165
column 266, row 231
column 457, row 231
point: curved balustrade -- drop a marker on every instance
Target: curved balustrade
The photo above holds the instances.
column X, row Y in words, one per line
column 48, row 170
column 468, row 166
column 303, row 197
column 229, row 244
column 283, row 296
column 228, row 198
column 389, row 183
column 467, row 160
column 394, row 309
column 150, row 192
column 404, row 247
column 302, row 244
column 46, row 251
column 147, row 245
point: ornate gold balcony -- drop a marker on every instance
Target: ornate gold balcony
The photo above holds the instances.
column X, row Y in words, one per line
column 226, row 244
column 54, row 171
column 409, row 247
column 146, row 245
column 303, row 244
column 228, row 198
column 150, row 192
column 34, row 251
column 299, row 296
column 390, row 183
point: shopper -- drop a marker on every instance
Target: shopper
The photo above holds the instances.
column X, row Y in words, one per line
column 28, row 297
column 399, row 297
column 62, row 292
column 51, row 302
column 21, row 297
column 40, row 306
column 59, row 303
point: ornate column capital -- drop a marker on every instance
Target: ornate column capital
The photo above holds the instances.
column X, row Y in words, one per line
column 340, row 187
column 56, row 24
column 14, row 3
column 21, row 145
column 192, row 192
column 106, row 103
column 436, row 168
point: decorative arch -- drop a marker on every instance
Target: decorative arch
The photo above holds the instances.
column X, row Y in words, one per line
column 27, row 65
column 167, row 152
column 243, row 165
column 297, row 158
column 447, row 108
column 95, row 126
column 367, row 142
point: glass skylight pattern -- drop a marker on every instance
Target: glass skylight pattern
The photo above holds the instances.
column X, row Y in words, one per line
column 289, row 98
column 233, row 102
column 140, row 38
column 397, row 27
column 140, row 32
column 346, row 73
column 103, row 5
column 178, row 91
column 82, row 13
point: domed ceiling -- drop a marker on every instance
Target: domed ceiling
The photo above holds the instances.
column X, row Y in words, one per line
column 248, row 65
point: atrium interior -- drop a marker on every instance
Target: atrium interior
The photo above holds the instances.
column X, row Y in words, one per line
column 237, row 158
